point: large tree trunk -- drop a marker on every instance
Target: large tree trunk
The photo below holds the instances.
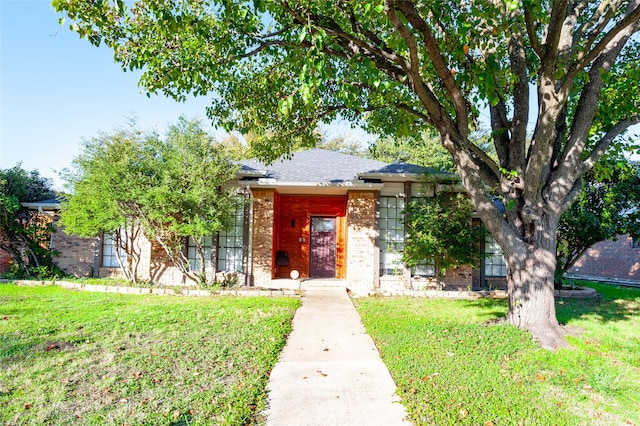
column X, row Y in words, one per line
column 530, row 280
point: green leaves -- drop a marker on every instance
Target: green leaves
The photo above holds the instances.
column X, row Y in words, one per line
column 172, row 188
column 24, row 234
column 440, row 230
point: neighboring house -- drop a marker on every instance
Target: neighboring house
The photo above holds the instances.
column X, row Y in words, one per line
column 619, row 259
column 74, row 255
column 319, row 214
column 46, row 210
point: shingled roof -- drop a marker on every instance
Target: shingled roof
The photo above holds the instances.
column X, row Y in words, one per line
column 323, row 166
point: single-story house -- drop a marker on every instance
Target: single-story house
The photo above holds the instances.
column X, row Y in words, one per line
column 316, row 215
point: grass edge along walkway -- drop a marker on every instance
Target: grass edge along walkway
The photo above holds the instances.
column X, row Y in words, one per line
column 451, row 367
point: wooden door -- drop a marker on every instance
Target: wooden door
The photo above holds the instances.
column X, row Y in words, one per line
column 322, row 259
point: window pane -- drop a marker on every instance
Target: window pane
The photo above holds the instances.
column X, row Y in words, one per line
column 494, row 264
column 230, row 251
column 193, row 256
column 109, row 247
column 392, row 235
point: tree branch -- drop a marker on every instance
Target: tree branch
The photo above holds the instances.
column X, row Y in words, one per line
column 411, row 14
column 603, row 144
column 630, row 20
column 554, row 33
column 531, row 32
column 518, row 61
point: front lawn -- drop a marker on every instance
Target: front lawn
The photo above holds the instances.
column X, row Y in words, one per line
column 452, row 367
column 71, row 357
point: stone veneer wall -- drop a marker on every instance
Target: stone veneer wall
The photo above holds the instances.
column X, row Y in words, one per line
column 76, row 254
column 262, row 245
column 361, row 241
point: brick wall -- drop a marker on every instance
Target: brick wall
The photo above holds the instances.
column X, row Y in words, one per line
column 610, row 259
column 460, row 278
column 262, row 248
column 361, row 241
column 76, row 255
column 161, row 268
column 5, row 261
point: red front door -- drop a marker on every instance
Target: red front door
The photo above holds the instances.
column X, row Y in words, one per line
column 322, row 260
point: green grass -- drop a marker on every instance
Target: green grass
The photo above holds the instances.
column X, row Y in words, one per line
column 452, row 367
column 71, row 357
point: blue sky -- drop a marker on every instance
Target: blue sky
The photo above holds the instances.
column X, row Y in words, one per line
column 56, row 89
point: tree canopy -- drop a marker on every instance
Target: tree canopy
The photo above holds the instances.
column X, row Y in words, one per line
column 400, row 67
column 24, row 234
column 171, row 188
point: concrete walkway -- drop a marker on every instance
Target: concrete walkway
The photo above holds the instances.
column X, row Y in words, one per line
column 330, row 372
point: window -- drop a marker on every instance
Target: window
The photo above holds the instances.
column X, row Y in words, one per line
column 391, row 235
column 230, row 244
column 192, row 253
column 109, row 249
column 494, row 264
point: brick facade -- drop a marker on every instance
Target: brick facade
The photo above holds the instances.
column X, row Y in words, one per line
column 610, row 259
column 262, row 245
column 361, row 241
column 5, row 261
column 74, row 255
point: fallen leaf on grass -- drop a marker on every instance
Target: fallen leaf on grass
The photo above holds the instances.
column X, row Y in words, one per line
column 27, row 406
column 489, row 424
column 5, row 318
column 463, row 413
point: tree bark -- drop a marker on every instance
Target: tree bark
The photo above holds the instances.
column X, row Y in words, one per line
column 530, row 281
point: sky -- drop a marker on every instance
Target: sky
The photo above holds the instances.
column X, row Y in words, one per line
column 57, row 89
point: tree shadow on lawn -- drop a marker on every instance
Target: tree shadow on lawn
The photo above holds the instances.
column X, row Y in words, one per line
column 613, row 304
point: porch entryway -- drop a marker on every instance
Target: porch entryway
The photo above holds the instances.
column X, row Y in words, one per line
column 309, row 236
